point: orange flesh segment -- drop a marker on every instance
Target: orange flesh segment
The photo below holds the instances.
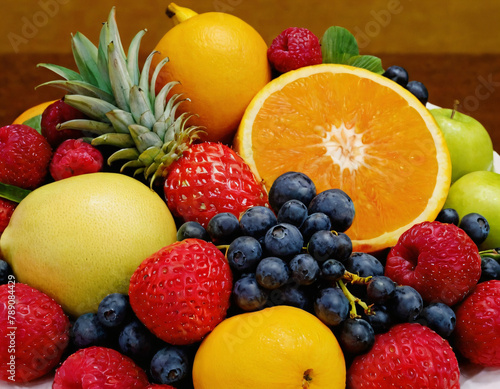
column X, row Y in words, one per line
column 377, row 146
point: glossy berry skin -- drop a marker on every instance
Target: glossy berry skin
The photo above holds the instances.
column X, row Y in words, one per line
column 136, row 342
column 192, row 230
column 397, row 74
column 187, row 285
column 57, row 113
column 159, row 386
column 448, row 215
column 478, row 325
column 6, row 210
column 419, row 90
column 101, row 366
column 291, row 186
column 283, row 240
column 294, row 48
column 337, row 205
column 248, row 295
column 293, row 212
column 257, row 220
column 439, row 260
column 305, row 269
column 407, row 356
column 476, row 226
column 440, row 318
column 380, row 289
column 6, row 273
column 364, row 265
column 356, row 336
column 88, row 331
column 41, row 332
column 169, row 365
column 331, row 306
column 114, row 310
column 291, row 295
column 381, row 320
column 223, row 228
column 244, row 253
column 490, row 269
column 313, row 223
column 24, row 156
column 272, row 272
column 406, row 303
column 324, row 245
column 332, row 270
column 74, row 157
column 208, row 179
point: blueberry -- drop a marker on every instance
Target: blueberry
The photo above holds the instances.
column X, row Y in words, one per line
column 169, row 365
column 380, row 319
column 114, row 310
column 337, row 205
column 223, row 228
column 255, row 221
column 244, row 253
column 88, row 331
column 324, row 245
column 356, row 336
column 332, row 270
column 440, row 318
column 397, row 74
column 419, row 90
column 313, row 223
column 331, row 306
column 476, row 226
column 192, row 229
column 272, row 272
column 5, row 272
column 406, row 303
column 364, row 265
column 283, row 240
column 448, row 215
column 293, row 212
column 248, row 295
column 305, row 269
column 490, row 269
column 291, row 295
column 291, row 185
column 136, row 341
column 380, row 289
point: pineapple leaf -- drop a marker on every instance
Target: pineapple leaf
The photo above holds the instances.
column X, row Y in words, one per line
column 144, row 79
column 128, row 154
column 85, row 54
column 133, row 164
column 144, row 138
column 65, row 73
column 81, row 88
column 161, row 99
column 102, row 59
column 114, row 139
column 133, row 57
column 113, row 34
column 90, row 106
column 118, row 75
column 92, row 126
column 140, row 108
column 152, row 87
column 120, row 120
column 147, row 157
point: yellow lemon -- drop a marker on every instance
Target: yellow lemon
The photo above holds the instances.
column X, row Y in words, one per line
column 280, row 348
column 81, row 238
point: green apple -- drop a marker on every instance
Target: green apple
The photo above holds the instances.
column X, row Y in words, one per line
column 468, row 141
column 478, row 192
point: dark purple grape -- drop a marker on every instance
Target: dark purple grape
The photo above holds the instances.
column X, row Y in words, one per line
column 291, row 185
column 337, row 205
column 272, row 272
column 332, row 270
column 244, row 253
column 292, row 212
column 476, row 226
column 331, row 306
column 397, row 74
column 305, row 269
column 380, row 289
column 449, row 216
column 406, row 303
column 255, row 221
column 440, row 318
column 356, row 336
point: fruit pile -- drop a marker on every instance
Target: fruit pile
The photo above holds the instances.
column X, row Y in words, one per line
column 289, row 216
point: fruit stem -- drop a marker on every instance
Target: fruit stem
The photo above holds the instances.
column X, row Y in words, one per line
column 456, row 103
column 492, row 253
column 353, row 300
column 13, row 193
column 355, row 279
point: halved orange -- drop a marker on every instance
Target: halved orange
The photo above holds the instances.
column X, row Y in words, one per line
column 351, row 129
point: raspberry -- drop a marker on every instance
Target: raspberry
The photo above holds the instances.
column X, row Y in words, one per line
column 407, row 356
column 57, row 113
column 99, row 367
column 36, row 327
column 74, row 157
column 24, row 156
column 478, row 325
column 439, row 260
column 6, row 210
column 294, row 48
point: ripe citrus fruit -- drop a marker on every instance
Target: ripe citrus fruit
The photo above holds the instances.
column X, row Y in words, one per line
column 280, row 347
column 351, row 129
column 81, row 238
column 32, row 112
column 221, row 63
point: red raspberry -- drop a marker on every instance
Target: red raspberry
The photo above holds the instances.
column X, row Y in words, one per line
column 294, row 48
column 35, row 327
column 6, row 210
column 99, row 367
column 478, row 325
column 187, row 285
column 439, row 260
column 24, row 156
column 407, row 356
column 57, row 113
column 74, row 157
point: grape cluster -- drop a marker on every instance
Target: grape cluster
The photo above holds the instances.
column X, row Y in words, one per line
column 399, row 75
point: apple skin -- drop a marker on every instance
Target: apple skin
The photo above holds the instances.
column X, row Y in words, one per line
column 468, row 142
column 478, row 192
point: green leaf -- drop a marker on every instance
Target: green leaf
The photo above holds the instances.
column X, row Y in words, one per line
column 338, row 45
column 35, row 122
column 368, row 62
column 13, row 193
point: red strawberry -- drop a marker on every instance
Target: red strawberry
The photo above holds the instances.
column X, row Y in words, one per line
column 182, row 291
column 407, row 356
column 439, row 260
column 478, row 325
column 6, row 210
column 34, row 329
column 99, row 367
column 294, row 48
column 208, row 179
column 24, row 156
column 57, row 113
column 74, row 157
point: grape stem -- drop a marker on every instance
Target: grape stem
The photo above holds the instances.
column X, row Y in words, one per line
column 353, row 300
column 493, row 253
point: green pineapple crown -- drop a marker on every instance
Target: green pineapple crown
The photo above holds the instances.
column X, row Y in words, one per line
column 121, row 103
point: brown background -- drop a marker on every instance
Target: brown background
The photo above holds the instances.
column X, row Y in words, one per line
column 451, row 46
